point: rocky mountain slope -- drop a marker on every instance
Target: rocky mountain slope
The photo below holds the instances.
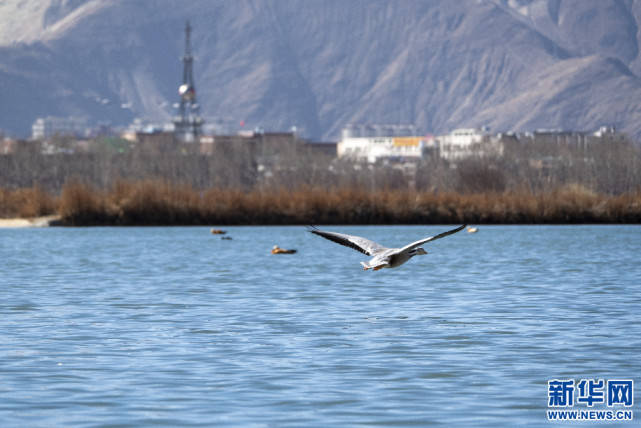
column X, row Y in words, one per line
column 320, row 64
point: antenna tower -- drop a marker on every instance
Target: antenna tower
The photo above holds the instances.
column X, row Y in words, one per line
column 188, row 123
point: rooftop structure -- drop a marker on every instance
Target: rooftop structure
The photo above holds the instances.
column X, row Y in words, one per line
column 356, row 130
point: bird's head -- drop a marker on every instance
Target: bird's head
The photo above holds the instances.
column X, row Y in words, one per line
column 418, row 252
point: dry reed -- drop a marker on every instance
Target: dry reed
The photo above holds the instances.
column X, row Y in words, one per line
column 26, row 203
column 157, row 202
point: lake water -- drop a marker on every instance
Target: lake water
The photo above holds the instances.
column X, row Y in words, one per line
column 177, row 327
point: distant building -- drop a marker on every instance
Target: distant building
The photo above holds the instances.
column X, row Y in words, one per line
column 467, row 142
column 373, row 149
column 373, row 142
column 49, row 126
column 265, row 146
column 7, row 146
column 605, row 131
column 140, row 127
column 577, row 138
column 327, row 149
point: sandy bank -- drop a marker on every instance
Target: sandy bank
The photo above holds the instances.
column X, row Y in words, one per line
column 28, row 222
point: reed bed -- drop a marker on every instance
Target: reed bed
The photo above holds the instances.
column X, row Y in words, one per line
column 157, row 202
column 26, row 203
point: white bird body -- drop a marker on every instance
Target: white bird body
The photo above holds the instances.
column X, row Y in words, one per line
column 382, row 257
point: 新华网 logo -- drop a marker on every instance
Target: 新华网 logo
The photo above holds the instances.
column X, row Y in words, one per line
column 595, row 399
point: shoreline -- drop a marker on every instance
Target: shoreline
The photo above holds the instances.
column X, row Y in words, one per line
column 17, row 223
column 56, row 221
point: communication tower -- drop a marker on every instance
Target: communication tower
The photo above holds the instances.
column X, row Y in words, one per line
column 188, row 123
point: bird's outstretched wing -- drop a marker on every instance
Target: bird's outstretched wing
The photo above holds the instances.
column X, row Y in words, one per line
column 363, row 245
column 431, row 238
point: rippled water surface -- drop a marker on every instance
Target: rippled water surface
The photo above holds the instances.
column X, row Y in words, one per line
column 177, row 327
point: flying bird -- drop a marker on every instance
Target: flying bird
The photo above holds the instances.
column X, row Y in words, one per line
column 382, row 257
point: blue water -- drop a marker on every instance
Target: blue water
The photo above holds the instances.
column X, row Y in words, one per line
column 177, row 327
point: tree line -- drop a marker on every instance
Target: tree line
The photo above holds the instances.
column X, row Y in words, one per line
column 532, row 180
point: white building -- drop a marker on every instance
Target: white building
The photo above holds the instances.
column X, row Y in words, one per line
column 605, row 130
column 49, row 126
column 372, row 149
column 466, row 142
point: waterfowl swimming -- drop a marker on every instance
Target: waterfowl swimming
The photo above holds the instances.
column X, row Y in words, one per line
column 217, row 232
column 277, row 250
column 383, row 257
column 472, row 229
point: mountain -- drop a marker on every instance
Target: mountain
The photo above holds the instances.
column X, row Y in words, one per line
column 320, row 64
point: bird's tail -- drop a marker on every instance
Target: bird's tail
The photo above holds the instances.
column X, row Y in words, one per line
column 365, row 266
